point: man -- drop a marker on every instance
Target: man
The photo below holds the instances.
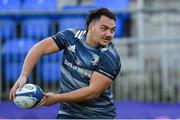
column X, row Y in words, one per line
column 90, row 65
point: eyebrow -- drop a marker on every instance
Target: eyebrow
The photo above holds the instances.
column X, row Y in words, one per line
column 108, row 26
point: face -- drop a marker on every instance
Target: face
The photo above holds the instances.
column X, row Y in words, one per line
column 102, row 31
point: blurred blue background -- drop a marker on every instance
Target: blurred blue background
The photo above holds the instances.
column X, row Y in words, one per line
column 147, row 39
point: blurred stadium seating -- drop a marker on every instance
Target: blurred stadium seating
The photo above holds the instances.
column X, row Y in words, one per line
column 13, row 54
column 9, row 5
column 39, row 27
column 7, row 29
column 50, row 63
column 8, row 25
column 74, row 20
column 36, row 28
column 113, row 4
column 48, row 76
column 39, row 5
column 68, row 21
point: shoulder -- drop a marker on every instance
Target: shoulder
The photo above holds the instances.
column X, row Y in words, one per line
column 109, row 52
column 110, row 58
column 68, row 32
column 109, row 62
column 69, row 36
column 73, row 32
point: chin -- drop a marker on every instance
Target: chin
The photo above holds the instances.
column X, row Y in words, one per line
column 104, row 44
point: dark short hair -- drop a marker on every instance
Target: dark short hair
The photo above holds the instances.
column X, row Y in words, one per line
column 97, row 13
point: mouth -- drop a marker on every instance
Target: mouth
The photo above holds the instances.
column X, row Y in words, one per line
column 106, row 40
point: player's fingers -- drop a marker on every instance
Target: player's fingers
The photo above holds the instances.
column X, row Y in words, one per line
column 39, row 104
column 13, row 91
column 42, row 103
column 46, row 94
column 12, row 94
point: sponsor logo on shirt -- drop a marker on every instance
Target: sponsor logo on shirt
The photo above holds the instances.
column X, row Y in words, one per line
column 82, row 71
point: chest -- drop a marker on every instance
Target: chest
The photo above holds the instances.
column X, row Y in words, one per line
column 79, row 55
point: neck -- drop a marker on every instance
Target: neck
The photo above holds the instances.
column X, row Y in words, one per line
column 90, row 41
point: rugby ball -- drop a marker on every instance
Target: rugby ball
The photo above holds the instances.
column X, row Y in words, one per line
column 29, row 96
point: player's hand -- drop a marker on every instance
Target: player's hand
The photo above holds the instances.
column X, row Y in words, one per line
column 39, row 104
column 18, row 85
column 49, row 99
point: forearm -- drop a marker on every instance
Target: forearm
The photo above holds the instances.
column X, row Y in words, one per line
column 79, row 95
column 98, row 84
column 30, row 61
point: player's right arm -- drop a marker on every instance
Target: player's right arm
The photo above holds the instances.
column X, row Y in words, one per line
column 44, row 47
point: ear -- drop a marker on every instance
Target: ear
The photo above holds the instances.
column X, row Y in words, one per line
column 90, row 26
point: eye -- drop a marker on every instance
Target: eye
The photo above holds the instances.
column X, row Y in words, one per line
column 113, row 30
column 103, row 28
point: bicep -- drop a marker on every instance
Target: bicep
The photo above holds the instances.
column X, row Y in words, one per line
column 99, row 82
column 47, row 46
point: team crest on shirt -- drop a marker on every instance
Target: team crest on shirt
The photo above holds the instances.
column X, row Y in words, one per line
column 95, row 59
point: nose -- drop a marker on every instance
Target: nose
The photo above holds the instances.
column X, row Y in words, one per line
column 109, row 33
